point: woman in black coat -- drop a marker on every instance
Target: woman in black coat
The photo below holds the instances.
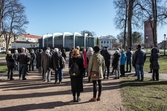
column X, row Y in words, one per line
column 155, row 63
column 115, row 63
column 10, row 65
column 77, row 81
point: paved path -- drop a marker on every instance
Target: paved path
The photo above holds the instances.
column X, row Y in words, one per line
column 35, row 95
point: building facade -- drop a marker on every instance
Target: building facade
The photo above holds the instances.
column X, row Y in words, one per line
column 26, row 40
column 107, row 41
column 66, row 40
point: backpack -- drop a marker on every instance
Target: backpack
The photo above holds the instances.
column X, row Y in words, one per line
column 74, row 69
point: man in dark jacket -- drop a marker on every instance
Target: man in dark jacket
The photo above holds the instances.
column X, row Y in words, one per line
column 107, row 57
column 129, row 60
column 22, row 59
column 57, row 65
column 33, row 57
column 139, row 60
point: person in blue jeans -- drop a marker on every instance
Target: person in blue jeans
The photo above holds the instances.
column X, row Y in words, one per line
column 139, row 60
column 57, row 65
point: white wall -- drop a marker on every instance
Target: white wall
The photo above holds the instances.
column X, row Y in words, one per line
column 26, row 45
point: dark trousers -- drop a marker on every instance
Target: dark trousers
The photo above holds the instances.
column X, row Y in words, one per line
column 84, row 70
column 31, row 66
column 95, row 88
column 128, row 65
column 122, row 70
column 108, row 71
column 10, row 72
column 22, row 70
column 155, row 74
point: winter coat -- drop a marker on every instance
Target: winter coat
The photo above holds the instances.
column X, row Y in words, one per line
column 64, row 55
column 46, row 62
column 77, row 81
column 123, row 58
column 107, row 57
column 95, row 66
column 154, row 58
column 85, row 59
column 10, row 61
column 33, row 57
column 15, row 57
column 115, row 61
column 23, row 58
column 38, row 59
column 57, row 61
column 129, row 55
column 139, row 57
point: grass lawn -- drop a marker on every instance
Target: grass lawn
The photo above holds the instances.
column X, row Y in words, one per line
column 144, row 96
column 162, row 62
column 3, row 68
column 2, row 55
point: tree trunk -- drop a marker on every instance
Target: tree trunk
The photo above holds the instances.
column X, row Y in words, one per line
column 125, row 41
column 1, row 13
column 130, row 12
column 154, row 29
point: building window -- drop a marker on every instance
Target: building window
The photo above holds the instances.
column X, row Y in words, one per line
column 107, row 42
column 101, row 41
column 104, row 41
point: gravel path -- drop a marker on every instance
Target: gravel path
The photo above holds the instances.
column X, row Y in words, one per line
column 35, row 95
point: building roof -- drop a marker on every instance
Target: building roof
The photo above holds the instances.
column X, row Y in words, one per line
column 32, row 36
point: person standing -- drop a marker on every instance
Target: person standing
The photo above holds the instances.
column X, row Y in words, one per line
column 77, row 81
column 96, row 63
column 64, row 54
column 57, row 65
column 38, row 60
column 155, row 63
column 139, row 60
column 88, row 55
column 23, row 59
column 129, row 55
column 32, row 60
column 15, row 56
column 122, row 63
column 85, row 61
column 115, row 64
column 107, row 57
column 43, row 56
column 10, row 65
column 47, row 66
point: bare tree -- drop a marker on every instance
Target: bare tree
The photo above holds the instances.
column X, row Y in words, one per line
column 88, row 32
column 14, row 20
column 121, row 17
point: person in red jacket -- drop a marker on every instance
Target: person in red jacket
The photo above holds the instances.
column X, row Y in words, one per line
column 85, row 61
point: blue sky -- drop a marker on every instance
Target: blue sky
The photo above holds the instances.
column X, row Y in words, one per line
column 50, row 16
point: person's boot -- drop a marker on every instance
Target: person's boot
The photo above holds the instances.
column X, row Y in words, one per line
column 150, row 71
column 74, row 99
column 78, row 99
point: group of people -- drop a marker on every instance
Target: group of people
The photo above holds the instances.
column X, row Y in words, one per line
column 90, row 59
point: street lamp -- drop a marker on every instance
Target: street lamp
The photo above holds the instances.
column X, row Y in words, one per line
column 164, row 43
